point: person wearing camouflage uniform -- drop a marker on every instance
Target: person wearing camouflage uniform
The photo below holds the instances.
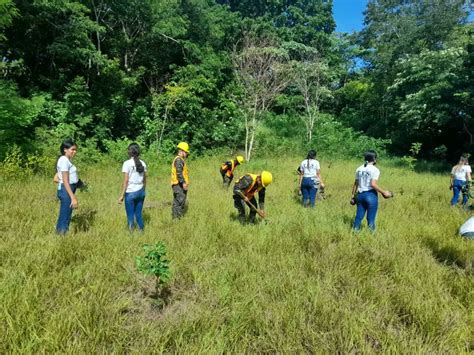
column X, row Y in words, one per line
column 179, row 180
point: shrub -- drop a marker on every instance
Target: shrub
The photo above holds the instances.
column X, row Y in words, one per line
column 18, row 165
column 117, row 150
column 330, row 137
column 410, row 160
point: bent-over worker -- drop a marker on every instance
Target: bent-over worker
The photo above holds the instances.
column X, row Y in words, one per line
column 244, row 193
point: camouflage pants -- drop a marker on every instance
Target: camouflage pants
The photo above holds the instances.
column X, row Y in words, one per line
column 226, row 180
column 239, row 204
column 179, row 201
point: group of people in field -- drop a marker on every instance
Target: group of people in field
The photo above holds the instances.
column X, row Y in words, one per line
column 365, row 189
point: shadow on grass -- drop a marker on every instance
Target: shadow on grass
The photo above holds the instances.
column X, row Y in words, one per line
column 83, row 220
column 447, row 254
column 348, row 220
column 234, row 217
column 146, row 217
column 160, row 298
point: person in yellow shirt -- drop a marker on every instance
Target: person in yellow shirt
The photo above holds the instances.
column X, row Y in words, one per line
column 180, row 180
column 244, row 193
column 227, row 169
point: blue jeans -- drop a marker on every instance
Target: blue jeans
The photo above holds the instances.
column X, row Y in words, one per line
column 367, row 201
column 65, row 210
column 134, row 207
column 308, row 190
column 457, row 188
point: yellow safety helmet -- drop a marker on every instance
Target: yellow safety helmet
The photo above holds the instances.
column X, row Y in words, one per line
column 184, row 146
column 266, row 177
column 240, row 159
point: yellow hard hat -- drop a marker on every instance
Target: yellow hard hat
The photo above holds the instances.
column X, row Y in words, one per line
column 184, row 146
column 240, row 159
column 267, row 178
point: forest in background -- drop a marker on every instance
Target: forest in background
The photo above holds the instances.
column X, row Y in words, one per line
column 258, row 76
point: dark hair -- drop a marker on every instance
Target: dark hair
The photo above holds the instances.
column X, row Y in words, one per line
column 311, row 154
column 66, row 144
column 134, row 152
column 370, row 156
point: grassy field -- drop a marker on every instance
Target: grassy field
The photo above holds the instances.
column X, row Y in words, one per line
column 300, row 283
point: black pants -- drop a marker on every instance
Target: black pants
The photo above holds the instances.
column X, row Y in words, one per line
column 239, row 204
column 179, row 201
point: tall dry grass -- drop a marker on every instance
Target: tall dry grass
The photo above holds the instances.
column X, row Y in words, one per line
column 300, row 283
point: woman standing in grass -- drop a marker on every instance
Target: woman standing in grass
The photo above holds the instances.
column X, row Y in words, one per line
column 460, row 180
column 310, row 178
column 365, row 185
column 66, row 175
column 133, row 187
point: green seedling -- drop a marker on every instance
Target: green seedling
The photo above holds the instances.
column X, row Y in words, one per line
column 154, row 262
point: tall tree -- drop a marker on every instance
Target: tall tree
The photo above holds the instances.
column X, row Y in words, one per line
column 311, row 77
column 260, row 70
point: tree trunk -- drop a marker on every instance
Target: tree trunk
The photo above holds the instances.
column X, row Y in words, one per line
column 247, row 129
column 252, row 138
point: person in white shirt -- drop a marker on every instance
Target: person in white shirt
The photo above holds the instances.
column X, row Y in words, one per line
column 133, row 187
column 467, row 229
column 310, row 178
column 367, row 189
column 460, row 180
column 67, row 178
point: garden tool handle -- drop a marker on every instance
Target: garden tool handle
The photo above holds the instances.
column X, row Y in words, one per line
column 251, row 205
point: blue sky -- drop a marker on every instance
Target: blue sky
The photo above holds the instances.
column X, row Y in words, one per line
column 348, row 14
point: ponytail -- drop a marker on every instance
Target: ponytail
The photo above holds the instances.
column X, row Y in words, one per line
column 134, row 152
column 311, row 155
column 369, row 157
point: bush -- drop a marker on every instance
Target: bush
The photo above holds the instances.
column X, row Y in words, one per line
column 18, row 165
column 330, row 137
column 410, row 160
column 117, row 150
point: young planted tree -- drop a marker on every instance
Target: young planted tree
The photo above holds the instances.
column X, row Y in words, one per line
column 261, row 71
column 155, row 263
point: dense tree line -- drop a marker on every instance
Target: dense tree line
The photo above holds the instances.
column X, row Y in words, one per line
column 161, row 71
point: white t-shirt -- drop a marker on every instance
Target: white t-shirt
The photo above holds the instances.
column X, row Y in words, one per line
column 460, row 174
column 309, row 168
column 364, row 176
column 65, row 165
column 135, row 179
column 467, row 227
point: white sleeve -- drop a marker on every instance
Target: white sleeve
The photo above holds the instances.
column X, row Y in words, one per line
column 64, row 164
column 468, row 169
column 125, row 167
column 375, row 174
column 302, row 166
column 467, row 227
column 357, row 175
column 144, row 166
column 318, row 166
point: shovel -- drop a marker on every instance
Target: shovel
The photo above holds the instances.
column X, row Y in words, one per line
column 252, row 206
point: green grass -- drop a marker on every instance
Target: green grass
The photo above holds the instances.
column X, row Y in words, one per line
column 300, row 283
